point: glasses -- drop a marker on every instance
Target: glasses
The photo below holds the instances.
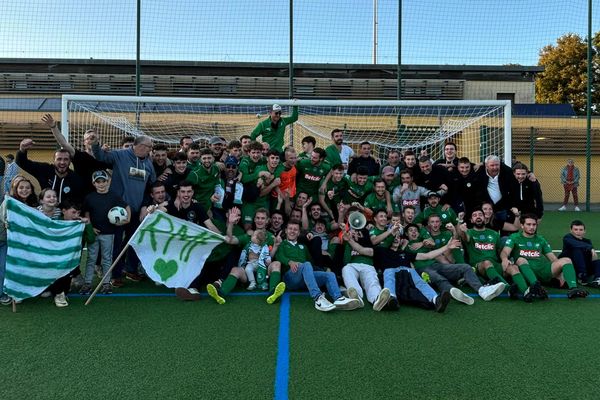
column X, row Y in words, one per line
column 278, row 113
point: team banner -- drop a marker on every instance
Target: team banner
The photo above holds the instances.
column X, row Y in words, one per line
column 171, row 250
column 40, row 250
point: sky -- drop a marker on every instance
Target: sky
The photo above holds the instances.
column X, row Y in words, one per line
column 473, row 32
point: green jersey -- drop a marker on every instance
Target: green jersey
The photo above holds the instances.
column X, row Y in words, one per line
column 244, row 239
column 333, row 155
column 339, row 190
column 442, row 239
column 387, row 242
column 309, row 177
column 274, row 134
column 249, row 169
column 446, row 216
column 533, row 249
column 420, row 264
column 289, row 251
column 204, row 181
column 263, row 201
column 357, row 192
column 483, row 245
column 352, row 256
column 375, row 203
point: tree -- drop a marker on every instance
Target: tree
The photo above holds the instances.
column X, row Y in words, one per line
column 564, row 79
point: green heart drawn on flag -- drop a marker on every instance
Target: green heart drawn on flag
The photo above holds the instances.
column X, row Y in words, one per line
column 165, row 269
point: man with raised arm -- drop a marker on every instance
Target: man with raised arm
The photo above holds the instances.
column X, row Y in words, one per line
column 272, row 129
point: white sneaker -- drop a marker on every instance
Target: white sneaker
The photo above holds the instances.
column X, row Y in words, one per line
column 61, row 300
column 382, row 299
column 344, row 303
column 459, row 295
column 251, row 286
column 563, row 208
column 45, row 294
column 487, row 293
column 353, row 294
column 577, row 208
column 322, row 304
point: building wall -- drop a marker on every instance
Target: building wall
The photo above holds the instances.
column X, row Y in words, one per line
column 486, row 90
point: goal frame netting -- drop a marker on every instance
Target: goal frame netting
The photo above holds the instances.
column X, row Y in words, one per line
column 67, row 99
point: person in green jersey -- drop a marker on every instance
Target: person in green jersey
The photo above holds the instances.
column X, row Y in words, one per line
column 269, row 183
column 221, row 288
column 382, row 234
column 359, row 265
column 535, row 259
column 249, row 168
column 482, row 248
column 333, row 190
column 441, row 236
column 338, row 152
column 311, row 172
column 359, row 189
column 204, row 178
column 308, row 145
column 408, row 217
column 378, row 199
column 272, row 129
column 445, row 212
column 442, row 274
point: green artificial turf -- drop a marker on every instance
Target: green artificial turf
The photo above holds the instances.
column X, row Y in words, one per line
column 556, row 224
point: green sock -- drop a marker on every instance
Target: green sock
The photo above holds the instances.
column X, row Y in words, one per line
column 491, row 273
column 274, row 279
column 520, row 281
column 569, row 275
column 528, row 273
column 228, row 284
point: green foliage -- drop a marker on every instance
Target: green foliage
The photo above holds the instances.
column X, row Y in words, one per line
column 564, row 79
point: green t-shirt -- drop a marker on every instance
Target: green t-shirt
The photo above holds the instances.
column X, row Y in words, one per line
column 442, row 239
column 249, row 169
column 204, row 182
column 263, row 201
column 483, row 245
column 333, row 155
column 339, row 191
column 375, row 203
column 387, row 242
column 357, row 192
column 288, row 251
column 533, row 249
column 352, row 256
column 309, row 177
column 244, row 239
column 274, row 136
column 445, row 216
column 420, row 264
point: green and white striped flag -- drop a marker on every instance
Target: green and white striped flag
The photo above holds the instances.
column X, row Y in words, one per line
column 171, row 250
column 40, row 250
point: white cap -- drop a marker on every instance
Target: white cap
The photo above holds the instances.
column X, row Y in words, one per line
column 276, row 108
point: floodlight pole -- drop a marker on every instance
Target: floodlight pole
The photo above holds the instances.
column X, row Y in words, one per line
column 375, row 23
column 588, row 151
column 291, row 66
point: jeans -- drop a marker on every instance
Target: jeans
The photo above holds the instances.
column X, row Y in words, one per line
column 3, row 250
column 441, row 275
column 104, row 244
column 130, row 261
column 305, row 277
column 389, row 281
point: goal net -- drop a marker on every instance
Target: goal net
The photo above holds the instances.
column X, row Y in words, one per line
column 479, row 128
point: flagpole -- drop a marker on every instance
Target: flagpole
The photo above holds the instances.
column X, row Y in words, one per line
column 107, row 273
column 14, row 306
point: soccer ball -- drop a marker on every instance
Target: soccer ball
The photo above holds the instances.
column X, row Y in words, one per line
column 117, row 215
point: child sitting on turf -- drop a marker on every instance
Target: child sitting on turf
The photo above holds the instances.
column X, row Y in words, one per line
column 256, row 257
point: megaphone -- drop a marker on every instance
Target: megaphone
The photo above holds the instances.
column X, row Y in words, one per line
column 357, row 220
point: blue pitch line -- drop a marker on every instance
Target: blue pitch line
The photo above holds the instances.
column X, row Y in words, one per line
column 242, row 294
column 283, row 350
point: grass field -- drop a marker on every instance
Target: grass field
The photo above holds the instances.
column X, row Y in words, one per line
column 142, row 343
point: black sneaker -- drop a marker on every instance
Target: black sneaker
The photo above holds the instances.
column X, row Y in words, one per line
column 513, row 292
column 538, row 291
column 441, row 301
column 528, row 296
column 392, row 304
column 577, row 292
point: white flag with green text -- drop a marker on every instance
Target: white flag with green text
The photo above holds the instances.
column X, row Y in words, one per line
column 40, row 250
column 171, row 250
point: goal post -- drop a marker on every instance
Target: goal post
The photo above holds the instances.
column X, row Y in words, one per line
column 478, row 127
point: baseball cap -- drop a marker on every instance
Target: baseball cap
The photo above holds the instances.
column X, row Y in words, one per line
column 101, row 174
column 216, row 140
column 276, row 108
column 231, row 160
column 434, row 194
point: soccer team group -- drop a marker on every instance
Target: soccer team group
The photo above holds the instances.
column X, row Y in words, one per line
column 346, row 227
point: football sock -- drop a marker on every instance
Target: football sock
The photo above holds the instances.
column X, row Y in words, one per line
column 569, row 275
column 491, row 273
column 274, row 279
column 528, row 273
column 228, row 284
column 520, row 281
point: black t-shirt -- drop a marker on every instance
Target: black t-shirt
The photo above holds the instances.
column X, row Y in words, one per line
column 85, row 165
column 172, row 182
column 368, row 162
column 194, row 213
column 98, row 206
column 388, row 258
